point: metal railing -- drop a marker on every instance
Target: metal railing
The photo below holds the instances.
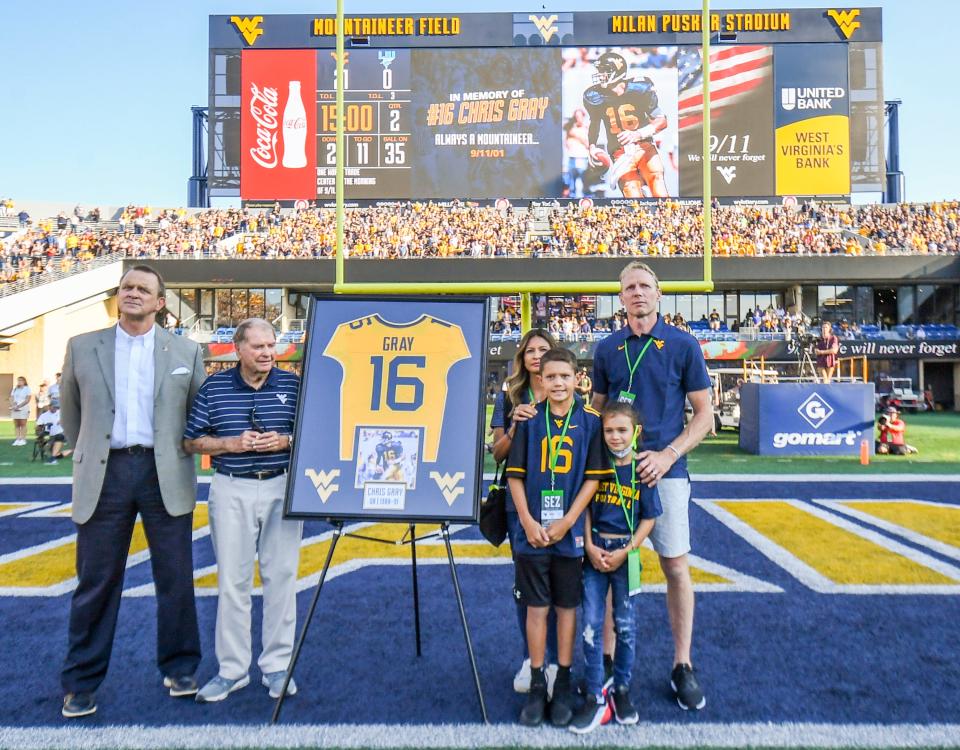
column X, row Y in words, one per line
column 40, row 279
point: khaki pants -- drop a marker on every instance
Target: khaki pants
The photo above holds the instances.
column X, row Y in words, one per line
column 246, row 522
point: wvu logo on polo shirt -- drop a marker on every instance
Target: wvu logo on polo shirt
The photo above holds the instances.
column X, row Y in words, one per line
column 659, row 343
column 846, row 20
column 249, row 27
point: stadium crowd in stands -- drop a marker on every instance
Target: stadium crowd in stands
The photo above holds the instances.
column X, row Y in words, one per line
column 571, row 325
column 411, row 230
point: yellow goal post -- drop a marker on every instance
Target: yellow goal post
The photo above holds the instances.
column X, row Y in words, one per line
column 525, row 288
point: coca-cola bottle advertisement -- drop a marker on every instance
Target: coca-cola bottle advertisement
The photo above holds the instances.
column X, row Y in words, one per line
column 294, row 129
column 278, row 158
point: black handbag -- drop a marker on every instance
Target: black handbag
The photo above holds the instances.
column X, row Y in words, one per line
column 493, row 510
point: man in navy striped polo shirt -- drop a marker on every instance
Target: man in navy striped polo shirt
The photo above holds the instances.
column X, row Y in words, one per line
column 243, row 417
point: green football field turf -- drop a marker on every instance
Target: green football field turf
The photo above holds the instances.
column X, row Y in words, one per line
column 936, row 435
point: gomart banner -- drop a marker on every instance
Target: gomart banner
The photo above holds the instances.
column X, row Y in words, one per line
column 800, row 419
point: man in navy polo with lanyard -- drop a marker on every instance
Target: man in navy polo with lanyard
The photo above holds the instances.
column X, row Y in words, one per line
column 243, row 417
column 656, row 367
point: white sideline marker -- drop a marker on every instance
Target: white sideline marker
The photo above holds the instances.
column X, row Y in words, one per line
column 680, row 735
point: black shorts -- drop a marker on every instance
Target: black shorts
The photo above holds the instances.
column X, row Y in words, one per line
column 543, row 580
column 893, row 449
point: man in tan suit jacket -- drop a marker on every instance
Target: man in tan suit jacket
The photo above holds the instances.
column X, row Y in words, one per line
column 125, row 395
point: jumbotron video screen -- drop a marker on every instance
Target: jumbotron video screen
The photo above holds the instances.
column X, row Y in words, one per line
column 555, row 107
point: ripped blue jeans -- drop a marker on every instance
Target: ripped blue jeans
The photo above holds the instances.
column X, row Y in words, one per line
column 595, row 585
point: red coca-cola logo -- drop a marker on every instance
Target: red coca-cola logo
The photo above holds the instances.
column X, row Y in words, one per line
column 263, row 109
column 266, row 119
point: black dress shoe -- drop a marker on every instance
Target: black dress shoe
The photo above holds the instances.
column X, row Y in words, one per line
column 76, row 705
column 181, row 687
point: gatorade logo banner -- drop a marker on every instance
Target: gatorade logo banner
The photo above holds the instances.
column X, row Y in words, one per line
column 812, row 116
column 278, row 151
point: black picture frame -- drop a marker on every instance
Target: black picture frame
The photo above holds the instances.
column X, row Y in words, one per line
column 328, row 312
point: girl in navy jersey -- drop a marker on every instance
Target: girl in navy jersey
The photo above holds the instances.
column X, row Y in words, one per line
column 620, row 516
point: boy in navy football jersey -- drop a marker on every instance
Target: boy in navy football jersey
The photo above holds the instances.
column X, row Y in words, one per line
column 553, row 470
column 618, row 519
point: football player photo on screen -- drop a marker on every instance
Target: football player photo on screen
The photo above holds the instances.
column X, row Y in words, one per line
column 388, row 454
column 620, row 122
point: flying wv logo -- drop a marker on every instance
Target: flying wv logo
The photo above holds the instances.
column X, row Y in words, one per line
column 846, row 20
column 546, row 25
column 249, row 27
column 323, row 482
column 728, row 173
column 386, row 57
column 448, row 485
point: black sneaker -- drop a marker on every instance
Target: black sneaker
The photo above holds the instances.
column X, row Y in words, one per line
column 76, row 705
column 181, row 687
column 622, row 707
column 687, row 689
column 536, row 705
column 561, row 704
column 590, row 716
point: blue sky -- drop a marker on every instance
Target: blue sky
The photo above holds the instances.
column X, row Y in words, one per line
column 96, row 106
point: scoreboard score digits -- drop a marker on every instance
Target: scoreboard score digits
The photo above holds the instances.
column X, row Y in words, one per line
column 376, row 124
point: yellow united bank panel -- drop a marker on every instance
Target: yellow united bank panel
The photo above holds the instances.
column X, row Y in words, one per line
column 812, row 115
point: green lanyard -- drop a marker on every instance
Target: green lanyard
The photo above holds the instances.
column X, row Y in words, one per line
column 631, row 524
column 554, row 457
column 533, row 398
column 632, row 366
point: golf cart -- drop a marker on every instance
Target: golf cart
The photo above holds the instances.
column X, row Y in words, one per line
column 897, row 392
column 726, row 382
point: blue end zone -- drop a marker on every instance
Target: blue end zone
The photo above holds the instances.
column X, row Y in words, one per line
column 793, row 656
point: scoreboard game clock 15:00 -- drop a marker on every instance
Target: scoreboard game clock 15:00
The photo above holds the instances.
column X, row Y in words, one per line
column 376, row 125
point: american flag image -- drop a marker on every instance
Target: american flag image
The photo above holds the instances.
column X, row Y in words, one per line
column 734, row 72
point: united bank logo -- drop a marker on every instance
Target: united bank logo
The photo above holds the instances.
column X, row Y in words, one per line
column 536, row 30
column 846, row 20
column 249, row 27
column 788, row 99
column 810, row 97
column 815, row 410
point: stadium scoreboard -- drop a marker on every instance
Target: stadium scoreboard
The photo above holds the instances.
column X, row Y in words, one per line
column 546, row 107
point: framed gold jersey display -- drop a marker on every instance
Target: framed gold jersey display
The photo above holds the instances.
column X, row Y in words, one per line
column 390, row 422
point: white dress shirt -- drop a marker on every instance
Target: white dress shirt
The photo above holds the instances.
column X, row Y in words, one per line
column 133, row 379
